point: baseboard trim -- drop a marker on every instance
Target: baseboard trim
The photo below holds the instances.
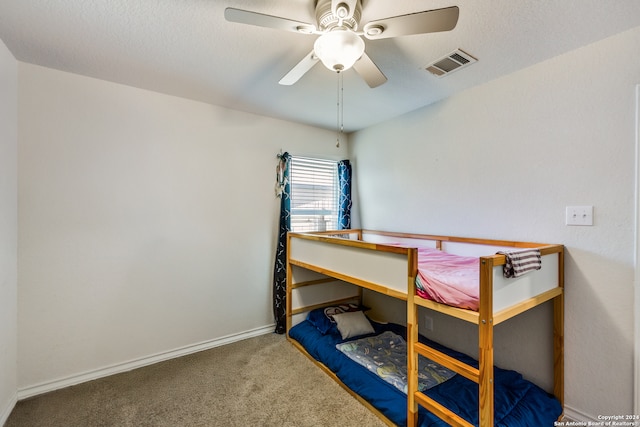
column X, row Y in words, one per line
column 46, row 387
column 576, row 415
column 4, row 415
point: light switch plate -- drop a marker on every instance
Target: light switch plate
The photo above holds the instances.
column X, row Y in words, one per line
column 579, row 215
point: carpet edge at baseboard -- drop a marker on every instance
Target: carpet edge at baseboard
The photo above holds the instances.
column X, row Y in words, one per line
column 34, row 390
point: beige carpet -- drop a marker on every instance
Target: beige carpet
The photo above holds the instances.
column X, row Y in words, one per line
column 262, row 381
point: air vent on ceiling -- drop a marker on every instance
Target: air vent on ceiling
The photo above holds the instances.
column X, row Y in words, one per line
column 452, row 62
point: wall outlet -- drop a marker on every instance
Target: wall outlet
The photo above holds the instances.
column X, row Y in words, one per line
column 579, row 215
column 428, row 323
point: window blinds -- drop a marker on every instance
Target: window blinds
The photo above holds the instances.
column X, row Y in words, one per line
column 314, row 194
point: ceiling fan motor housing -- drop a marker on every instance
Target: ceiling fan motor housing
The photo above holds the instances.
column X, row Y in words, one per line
column 327, row 20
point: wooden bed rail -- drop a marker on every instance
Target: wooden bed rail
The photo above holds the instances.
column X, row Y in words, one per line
column 357, row 235
column 452, row 239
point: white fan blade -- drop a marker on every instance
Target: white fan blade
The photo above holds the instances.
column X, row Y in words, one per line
column 430, row 21
column 268, row 21
column 369, row 71
column 299, row 70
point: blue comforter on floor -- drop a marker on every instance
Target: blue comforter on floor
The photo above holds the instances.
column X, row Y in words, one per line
column 517, row 402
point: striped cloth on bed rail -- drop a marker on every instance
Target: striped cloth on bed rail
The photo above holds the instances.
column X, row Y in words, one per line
column 521, row 262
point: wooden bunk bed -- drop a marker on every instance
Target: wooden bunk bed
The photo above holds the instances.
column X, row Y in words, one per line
column 326, row 268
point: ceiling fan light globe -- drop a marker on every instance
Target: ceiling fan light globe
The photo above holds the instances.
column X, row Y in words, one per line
column 339, row 49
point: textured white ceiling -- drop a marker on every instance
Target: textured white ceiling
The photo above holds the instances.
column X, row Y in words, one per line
column 186, row 48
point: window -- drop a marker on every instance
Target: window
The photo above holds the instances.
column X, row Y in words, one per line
column 314, row 194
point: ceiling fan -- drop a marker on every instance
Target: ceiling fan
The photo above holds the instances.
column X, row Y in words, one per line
column 340, row 45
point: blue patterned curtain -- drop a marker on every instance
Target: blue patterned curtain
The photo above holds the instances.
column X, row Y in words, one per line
column 283, row 190
column 344, row 203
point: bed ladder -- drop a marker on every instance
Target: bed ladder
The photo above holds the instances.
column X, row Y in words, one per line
column 483, row 375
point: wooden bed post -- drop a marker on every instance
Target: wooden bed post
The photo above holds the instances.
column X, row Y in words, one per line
column 412, row 337
column 558, row 335
column 485, row 351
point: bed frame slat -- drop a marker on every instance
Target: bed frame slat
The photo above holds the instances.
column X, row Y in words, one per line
column 353, row 280
column 460, row 313
column 447, row 361
column 441, row 412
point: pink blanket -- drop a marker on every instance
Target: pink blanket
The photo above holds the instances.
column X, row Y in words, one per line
column 447, row 278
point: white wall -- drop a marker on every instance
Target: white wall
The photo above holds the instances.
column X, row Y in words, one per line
column 8, row 230
column 502, row 160
column 147, row 223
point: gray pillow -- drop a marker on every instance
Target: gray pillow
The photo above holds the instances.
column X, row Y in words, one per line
column 352, row 324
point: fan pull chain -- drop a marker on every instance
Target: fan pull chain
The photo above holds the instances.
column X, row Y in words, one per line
column 340, row 119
